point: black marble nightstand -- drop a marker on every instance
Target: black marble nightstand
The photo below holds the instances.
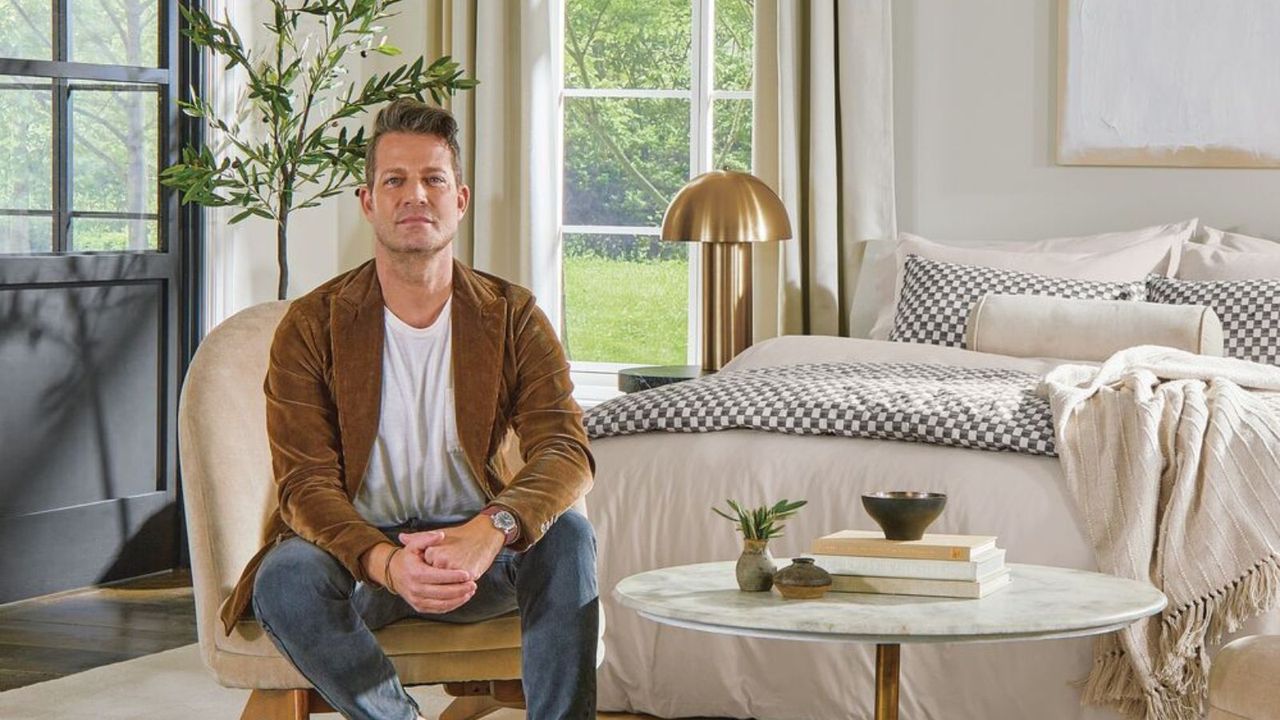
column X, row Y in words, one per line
column 636, row 379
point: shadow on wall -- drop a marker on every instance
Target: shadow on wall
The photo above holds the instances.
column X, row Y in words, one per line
column 80, row 421
column 143, row 542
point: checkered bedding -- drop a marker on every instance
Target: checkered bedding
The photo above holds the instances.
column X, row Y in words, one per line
column 984, row 408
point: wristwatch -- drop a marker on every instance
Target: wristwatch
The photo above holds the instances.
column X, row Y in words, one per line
column 504, row 521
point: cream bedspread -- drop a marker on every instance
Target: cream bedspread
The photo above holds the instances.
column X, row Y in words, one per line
column 651, row 508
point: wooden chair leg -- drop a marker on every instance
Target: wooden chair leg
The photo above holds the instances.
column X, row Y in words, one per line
column 471, row 707
column 278, row 705
column 507, row 692
column 477, row 699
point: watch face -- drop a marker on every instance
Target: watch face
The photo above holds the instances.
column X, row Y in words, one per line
column 504, row 521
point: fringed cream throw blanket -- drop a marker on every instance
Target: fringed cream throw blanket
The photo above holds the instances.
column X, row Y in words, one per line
column 1175, row 468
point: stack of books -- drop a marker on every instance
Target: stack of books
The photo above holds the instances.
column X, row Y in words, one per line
column 863, row 561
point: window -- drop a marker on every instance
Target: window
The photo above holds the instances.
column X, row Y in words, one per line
column 85, row 95
column 653, row 94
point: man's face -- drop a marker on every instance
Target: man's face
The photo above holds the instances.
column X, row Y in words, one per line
column 415, row 202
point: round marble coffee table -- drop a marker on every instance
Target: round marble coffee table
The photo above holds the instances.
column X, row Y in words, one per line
column 1040, row 603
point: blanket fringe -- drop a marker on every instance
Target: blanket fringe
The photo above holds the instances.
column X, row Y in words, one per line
column 1181, row 679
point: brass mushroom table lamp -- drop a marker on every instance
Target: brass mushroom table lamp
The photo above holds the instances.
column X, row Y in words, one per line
column 725, row 211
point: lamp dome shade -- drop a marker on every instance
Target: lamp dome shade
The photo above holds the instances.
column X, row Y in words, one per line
column 724, row 206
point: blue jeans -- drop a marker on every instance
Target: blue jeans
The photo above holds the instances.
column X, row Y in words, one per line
column 323, row 621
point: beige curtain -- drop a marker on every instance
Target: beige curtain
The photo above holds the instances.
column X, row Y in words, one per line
column 508, row 127
column 824, row 141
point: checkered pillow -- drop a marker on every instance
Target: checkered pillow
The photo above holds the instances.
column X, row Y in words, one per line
column 936, row 296
column 1249, row 311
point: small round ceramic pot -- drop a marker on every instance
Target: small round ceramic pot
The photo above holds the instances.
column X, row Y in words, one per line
column 802, row 580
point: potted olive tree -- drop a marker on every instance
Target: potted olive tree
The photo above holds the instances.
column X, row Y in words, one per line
column 286, row 146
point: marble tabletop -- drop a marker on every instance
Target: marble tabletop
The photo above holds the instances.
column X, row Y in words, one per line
column 1040, row 602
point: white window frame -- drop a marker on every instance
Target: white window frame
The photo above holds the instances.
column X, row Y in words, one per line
column 595, row 382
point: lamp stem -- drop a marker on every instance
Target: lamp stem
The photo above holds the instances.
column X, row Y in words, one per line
column 726, row 302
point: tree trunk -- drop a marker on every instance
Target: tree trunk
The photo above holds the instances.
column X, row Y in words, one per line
column 282, row 256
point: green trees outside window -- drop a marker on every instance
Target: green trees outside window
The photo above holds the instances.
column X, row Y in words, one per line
column 633, row 136
column 102, row 137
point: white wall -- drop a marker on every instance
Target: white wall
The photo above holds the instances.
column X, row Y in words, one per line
column 975, row 107
column 323, row 241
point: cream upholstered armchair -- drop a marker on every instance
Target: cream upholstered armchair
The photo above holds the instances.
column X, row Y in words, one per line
column 1243, row 682
column 229, row 493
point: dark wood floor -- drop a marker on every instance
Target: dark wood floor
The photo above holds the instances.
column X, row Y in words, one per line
column 49, row 637
column 67, row 633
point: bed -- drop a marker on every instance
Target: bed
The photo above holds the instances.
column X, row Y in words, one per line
column 651, row 508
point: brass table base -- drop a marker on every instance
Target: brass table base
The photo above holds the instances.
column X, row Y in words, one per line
column 887, row 664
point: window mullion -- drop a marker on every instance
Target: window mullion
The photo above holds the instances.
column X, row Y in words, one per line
column 61, row 30
column 61, row 125
column 702, row 84
column 169, row 141
column 610, row 230
column 635, row 93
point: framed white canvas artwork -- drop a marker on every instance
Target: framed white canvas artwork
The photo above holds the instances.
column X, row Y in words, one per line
column 1189, row 83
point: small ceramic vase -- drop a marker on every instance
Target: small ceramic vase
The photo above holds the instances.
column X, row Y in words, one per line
column 755, row 566
column 802, row 580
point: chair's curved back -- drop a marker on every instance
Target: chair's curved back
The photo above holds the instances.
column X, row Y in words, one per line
column 228, row 489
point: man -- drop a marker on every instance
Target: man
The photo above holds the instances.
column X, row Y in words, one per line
column 389, row 393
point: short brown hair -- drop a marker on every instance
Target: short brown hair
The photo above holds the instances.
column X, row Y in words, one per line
column 407, row 115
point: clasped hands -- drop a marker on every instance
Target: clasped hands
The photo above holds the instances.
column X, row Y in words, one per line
column 436, row 571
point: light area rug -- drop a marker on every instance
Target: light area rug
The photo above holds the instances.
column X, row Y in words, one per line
column 172, row 685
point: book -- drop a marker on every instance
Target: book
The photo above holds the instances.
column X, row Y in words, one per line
column 872, row 543
column 982, row 564
column 914, row 586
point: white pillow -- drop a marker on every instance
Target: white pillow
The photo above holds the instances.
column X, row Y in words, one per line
column 875, row 289
column 1220, row 255
column 1235, row 241
column 1216, row 262
column 1116, row 256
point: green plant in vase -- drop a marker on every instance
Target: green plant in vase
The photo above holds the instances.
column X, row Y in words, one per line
column 758, row 526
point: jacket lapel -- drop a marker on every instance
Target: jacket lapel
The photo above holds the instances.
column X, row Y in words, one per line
column 479, row 325
column 357, row 327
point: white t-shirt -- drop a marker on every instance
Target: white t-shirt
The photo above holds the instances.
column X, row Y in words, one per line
column 417, row 468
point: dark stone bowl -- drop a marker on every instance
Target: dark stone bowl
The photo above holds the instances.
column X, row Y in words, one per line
column 904, row 515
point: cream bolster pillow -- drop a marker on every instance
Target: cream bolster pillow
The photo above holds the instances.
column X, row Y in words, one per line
column 1090, row 330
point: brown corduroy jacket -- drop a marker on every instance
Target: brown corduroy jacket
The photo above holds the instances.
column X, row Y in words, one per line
column 324, row 394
